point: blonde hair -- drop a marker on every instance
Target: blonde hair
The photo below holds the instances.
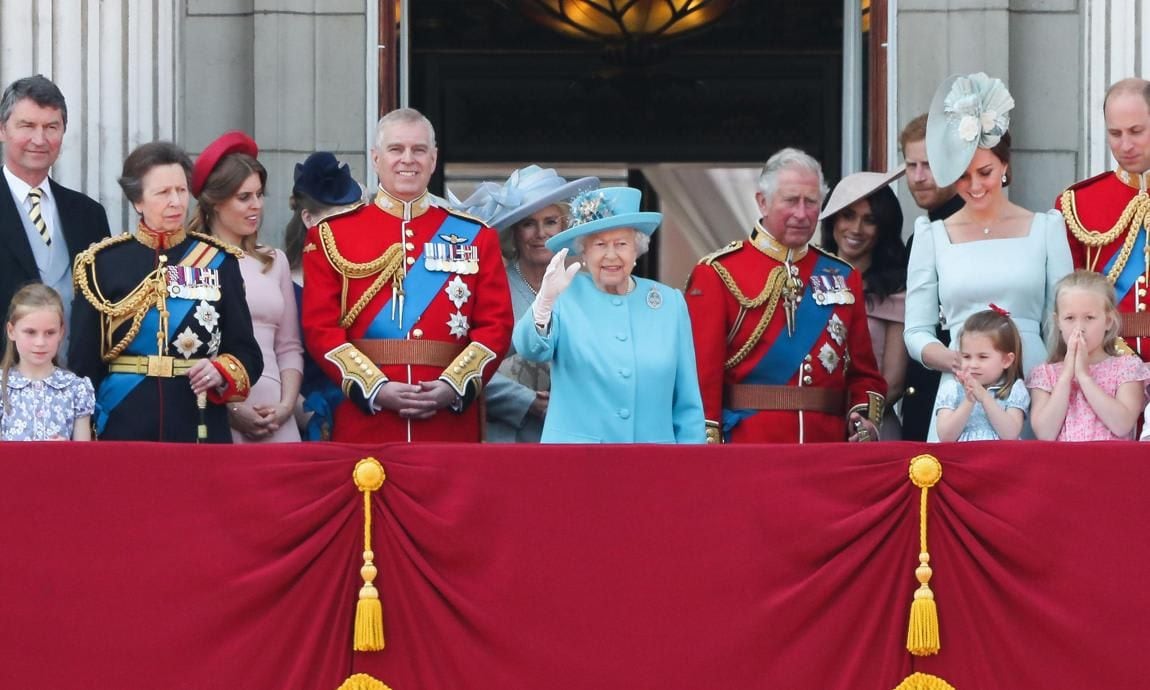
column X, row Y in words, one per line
column 30, row 298
column 1090, row 282
column 1004, row 335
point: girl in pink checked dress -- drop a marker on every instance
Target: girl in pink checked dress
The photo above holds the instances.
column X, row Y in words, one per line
column 1087, row 391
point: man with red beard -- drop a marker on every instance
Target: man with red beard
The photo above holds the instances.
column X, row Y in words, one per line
column 780, row 327
column 939, row 203
column 1106, row 215
column 405, row 302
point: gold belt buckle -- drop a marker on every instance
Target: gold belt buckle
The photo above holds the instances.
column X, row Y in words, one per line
column 161, row 366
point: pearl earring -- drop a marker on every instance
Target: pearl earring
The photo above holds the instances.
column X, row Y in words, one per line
column 1004, row 178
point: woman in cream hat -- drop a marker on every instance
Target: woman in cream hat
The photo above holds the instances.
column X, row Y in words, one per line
column 620, row 347
column 862, row 223
column 990, row 251
column 528, row 209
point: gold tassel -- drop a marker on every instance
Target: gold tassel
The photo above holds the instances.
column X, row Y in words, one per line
column 362, row 681
column 922, row 636
column 368, row 476
column 923, row 681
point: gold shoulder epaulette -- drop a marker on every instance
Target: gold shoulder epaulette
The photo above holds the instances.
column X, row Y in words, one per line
column 731, row 248
column 830, row 254
column 465, row 216
column 217, row 242
column 342, row 210
column 102, row 244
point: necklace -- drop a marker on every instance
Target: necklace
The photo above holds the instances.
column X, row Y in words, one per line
column 524, row 279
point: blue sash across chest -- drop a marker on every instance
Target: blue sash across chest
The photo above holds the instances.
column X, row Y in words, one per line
column 1135, row 266
column 420, row 286
column 116, row 386
column 785, row 355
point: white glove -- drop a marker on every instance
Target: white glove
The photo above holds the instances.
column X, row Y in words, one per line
column 555, row 281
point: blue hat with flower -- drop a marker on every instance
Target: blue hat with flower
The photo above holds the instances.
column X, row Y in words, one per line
column 322, row 178
column 526, row 191
column 604, row 209
column 968, row 112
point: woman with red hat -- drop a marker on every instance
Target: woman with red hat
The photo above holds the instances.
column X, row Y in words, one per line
column 228, row 183
column 160, row 324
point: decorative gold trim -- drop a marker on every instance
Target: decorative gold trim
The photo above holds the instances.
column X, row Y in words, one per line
column 772, row 291
column 151, row 291
column 714, row 432
column 734, row 246
column 467, row 367
column 151, row 238
column 767, row 244
column 356, row 369
column 388, row 266
column 1131, row 219
column 217, row 242
column 234, row 370
column 404, row 210
column 362, row 681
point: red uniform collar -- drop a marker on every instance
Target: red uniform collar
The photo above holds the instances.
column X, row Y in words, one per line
column 157, row 239
column 767, row 244
column 1139, row 181
column 404, row 210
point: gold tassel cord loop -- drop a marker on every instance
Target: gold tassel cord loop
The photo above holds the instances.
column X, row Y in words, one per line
column 923, row 681
column 922, row 635
column 369, row 476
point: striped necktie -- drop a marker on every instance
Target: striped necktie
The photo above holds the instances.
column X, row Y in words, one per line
column 37, row 215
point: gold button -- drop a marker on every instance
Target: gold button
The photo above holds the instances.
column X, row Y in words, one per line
column 409, row 246
column 807, row 368
column 417, row 333
column 807, row 380
column 410, row 233
column 910, row 391
column 410, row 260
column 1141, row 279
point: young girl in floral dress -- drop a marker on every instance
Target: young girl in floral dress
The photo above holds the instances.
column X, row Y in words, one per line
column 1088, row 391
column 39, row 401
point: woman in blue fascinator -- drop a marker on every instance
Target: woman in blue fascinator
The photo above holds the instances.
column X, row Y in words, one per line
column 990, row 251
column 527, row 209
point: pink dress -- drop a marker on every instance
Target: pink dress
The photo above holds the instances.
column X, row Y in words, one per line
column 271, row 299
column 1081, row 423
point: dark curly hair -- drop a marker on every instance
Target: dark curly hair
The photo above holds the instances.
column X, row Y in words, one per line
column 887, row 273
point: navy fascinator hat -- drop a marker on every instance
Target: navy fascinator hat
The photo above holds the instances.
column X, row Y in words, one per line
column 323, row 178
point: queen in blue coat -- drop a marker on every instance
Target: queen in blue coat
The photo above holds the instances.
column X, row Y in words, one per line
column 620, row 347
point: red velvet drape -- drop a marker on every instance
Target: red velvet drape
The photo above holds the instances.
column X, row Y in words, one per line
column 161, row 566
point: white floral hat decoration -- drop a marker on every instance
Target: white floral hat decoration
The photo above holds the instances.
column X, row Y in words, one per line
column 968, row 112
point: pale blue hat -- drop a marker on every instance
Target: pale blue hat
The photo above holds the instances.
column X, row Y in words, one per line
column 604, row 209
column 968, row 112
column 526, row 191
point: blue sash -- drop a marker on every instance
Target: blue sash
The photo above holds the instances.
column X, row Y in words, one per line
column 116, row 386
column 785, row 355
column 421, row 285
column 1134, row 267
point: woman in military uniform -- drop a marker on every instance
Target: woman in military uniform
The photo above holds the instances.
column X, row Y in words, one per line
column 160, row 324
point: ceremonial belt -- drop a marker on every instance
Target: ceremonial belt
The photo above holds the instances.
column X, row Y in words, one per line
column 1135, row 325
column 749, row 396
column 431, row 353
column 163, row 367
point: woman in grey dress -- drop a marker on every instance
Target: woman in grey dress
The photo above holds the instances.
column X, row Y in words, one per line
column 527, row 210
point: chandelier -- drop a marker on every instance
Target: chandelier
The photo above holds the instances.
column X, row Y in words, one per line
column 619, row 21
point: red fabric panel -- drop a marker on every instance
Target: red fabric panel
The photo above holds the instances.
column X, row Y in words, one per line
column 143, row 565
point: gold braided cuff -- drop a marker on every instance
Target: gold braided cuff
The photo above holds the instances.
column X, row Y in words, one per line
column 714, row 432
column 872, row 409
column 468, row 368
column 357, row 370
column 236, row 380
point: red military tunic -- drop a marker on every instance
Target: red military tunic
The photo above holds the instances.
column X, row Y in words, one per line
column 1106, row 227
column 829, row 351
column 411, row 292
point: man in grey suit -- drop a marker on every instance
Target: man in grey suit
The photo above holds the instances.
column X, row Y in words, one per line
column 43, row 225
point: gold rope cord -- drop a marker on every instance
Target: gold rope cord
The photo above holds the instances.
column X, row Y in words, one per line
column 152, row 291
column 1132, row 218
column 770, row 294
column 388, row 266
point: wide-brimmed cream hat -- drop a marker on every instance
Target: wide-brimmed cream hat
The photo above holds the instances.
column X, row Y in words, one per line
column 857, row 186
column 526, row 191
column 968, row 112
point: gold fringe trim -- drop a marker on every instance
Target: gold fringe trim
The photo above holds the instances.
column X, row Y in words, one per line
column 1132, row 219
column 369, row 476
column 362, row 681
column 923, row 681
column 922, row 636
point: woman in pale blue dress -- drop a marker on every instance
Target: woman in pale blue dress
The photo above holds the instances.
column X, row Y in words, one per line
column 527, row 210
column 620, row 347
column 991, row 251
